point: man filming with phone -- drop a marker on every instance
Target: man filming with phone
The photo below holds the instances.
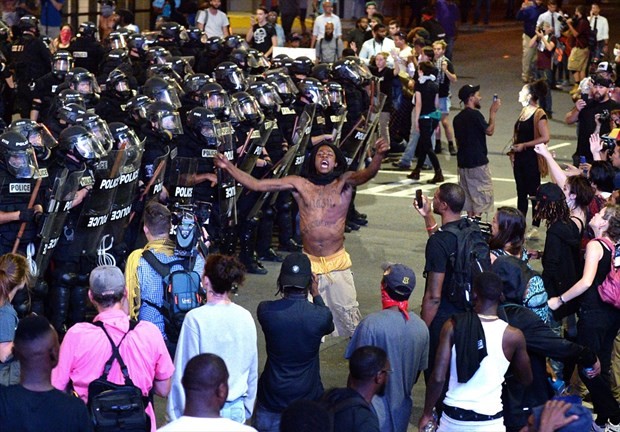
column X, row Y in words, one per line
column 471, row 131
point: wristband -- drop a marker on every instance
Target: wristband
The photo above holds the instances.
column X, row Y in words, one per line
column 561, row 300
column 431, row 227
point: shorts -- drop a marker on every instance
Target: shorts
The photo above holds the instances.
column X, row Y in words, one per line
column 578, row 60
column 478, row 188
column 445, row 104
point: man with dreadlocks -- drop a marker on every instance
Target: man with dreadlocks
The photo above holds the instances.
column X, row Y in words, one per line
column 323, row 196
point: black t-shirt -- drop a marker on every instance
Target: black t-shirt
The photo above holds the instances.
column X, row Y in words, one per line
column 470, row 132
column 438, row 250
column 524, row 132
column 385, row 84
column 261, row 38
column 428, row 91
column 587, row 125
column 434, row 29
column 51, row 411
column 444, row 82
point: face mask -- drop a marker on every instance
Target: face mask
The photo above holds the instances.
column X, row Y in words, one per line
column 65, row 36
column 524, row 97
column 616, row 52
column 107, row 10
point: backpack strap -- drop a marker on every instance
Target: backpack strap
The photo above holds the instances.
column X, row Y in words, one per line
column 115, row 352
column 157, row 265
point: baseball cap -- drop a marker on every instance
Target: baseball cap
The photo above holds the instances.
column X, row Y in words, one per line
column 371, row 3
column 583, row 423
column 605, row 67
column 466, row 91
column 296, row 271
column 599, row 80
column 107, row 280
column 549, row 192
column 399, row 280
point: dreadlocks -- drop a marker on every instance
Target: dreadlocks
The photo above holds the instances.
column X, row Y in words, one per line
column 552, row 212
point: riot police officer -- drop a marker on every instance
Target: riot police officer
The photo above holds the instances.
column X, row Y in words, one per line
column 30, row 60
column 216, row 99
column 46, row 87
column 66, row 107
column 230, row 77
column 85, row 83
column 136, row 110
column 86, row 50
column 113, row 102
column 42, row 141
column 170, row 37
column 211, row 56
column 160, row 90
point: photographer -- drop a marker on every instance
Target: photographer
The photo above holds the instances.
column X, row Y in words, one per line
column 545, row 43
column 584, row 112
column 579, row 27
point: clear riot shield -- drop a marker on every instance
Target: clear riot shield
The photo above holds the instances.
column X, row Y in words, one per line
column 255, row 146
column 301, row 137
column 64, row 188
column 181, row 181
column 97, row 206
column 375, row 112
column 355, row 145
column 227, row 189
column 279, row 170
column 126, row 195
column 156, row 184
column 338, row 120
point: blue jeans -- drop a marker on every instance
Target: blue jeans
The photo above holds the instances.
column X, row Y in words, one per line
column 234, row 410
column 265, row 420
column 414, row 136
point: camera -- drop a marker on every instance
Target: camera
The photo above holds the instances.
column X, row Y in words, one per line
column 608, row 144
column 540, row 29
column 604, row 116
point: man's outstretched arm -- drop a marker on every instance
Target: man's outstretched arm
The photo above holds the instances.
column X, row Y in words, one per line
column 360, row 177
column 252, row 183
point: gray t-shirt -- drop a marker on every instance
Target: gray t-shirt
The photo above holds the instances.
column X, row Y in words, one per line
column 8, row 322
column 406, row 345
column 214, row 23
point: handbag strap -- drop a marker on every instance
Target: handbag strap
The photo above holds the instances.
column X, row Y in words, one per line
column 115, row 353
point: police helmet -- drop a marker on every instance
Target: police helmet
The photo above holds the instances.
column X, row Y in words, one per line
column 235, row 41
column 125, row 138
column 70, row 112
column 67, row 96
column 37, row 134
column 181, row 67
column 202, row 121
column 239, row 56
column 77, row 141
column 87, row 29
column 116, row 40
column 18, row 155
column 214, row 45
column 336, row 96
column 322, row 72
column 117, row 84
column 117, row 55
column 301, row 66
column 28, row 22
column 283, row 84
column 62, row 62
column 136, row 41
column 98, row 127
column 159, row 89
column 257, row 62
column 193, row 84
column 164, row 117
column 349, row 70
column 230, row 77
column 314, row 91
column 158, row 55
column 267, row 97
column 216, row 99
column 196, row 35
column 136, row 106
column 84, row 82
column 171, row 30
column 246, row 109
column 280, row 61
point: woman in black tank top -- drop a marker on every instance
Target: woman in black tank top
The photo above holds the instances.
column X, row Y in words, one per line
column 599, row 322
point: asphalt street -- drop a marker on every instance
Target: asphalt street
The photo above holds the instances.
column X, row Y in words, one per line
column 490, row 57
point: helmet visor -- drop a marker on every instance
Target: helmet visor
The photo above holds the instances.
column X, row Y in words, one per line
column 62, row 65
column 118, row 43
column 269, row 98
column 171, row 122
column 216, row 100
column 101, row 132
column 89, row 147
column 22, row 163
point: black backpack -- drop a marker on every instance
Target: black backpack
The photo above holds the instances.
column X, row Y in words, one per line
column 470, row 258
column 117, row 407
column 182, row 291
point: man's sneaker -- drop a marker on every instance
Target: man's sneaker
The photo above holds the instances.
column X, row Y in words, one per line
column 610, row 427
column 597, row 428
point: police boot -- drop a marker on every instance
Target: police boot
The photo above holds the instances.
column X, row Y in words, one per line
column 59, row 307
column 228, row 241
column 79, row 301
column 40, row 292
column 286, row 242
column 263, row 237
column 247, row 241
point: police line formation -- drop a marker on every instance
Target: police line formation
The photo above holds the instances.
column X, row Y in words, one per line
column 104, row 130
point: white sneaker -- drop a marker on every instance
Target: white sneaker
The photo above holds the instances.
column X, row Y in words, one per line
column 610, row 427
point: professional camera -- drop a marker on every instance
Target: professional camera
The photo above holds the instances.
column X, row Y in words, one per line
column 610, row 141
column 604, row 116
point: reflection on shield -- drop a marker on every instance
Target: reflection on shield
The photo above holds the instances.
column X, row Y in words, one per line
column 301, row 137
column 181, row 180
column 227, row 184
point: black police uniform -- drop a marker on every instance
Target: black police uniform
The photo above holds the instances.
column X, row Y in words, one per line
column 111, row 108
column 45, row 88
column 87, row 53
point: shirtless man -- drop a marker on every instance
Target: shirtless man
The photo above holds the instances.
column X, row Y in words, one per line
column 323, row 197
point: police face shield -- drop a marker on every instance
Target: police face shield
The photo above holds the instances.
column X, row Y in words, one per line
column 247, row 110
column 100, row 130
column 170, row 96
column 22, row 164
column 42, row 142
column 286, row 89
column 118, row 42
column 236, row 78
column 171, row 122
column 318, row 96
column 132, row 145
column 208, row 134
column 269, row 98
column 87, row 87
column 122, row 88
column 336, row 99
column 62, row 66
column 89, row 147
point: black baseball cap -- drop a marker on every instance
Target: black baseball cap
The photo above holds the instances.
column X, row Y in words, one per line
column 296, row 271
column 399, row 281
column 466, row 91
column 549, row 192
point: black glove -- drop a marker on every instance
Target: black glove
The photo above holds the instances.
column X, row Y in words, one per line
column 26, row 215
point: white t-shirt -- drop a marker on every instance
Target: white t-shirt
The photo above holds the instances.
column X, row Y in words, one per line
column 214, row 23
column 201, row 424
column 319, row 25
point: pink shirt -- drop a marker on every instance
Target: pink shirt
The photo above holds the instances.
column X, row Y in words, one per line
column 85, row 349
